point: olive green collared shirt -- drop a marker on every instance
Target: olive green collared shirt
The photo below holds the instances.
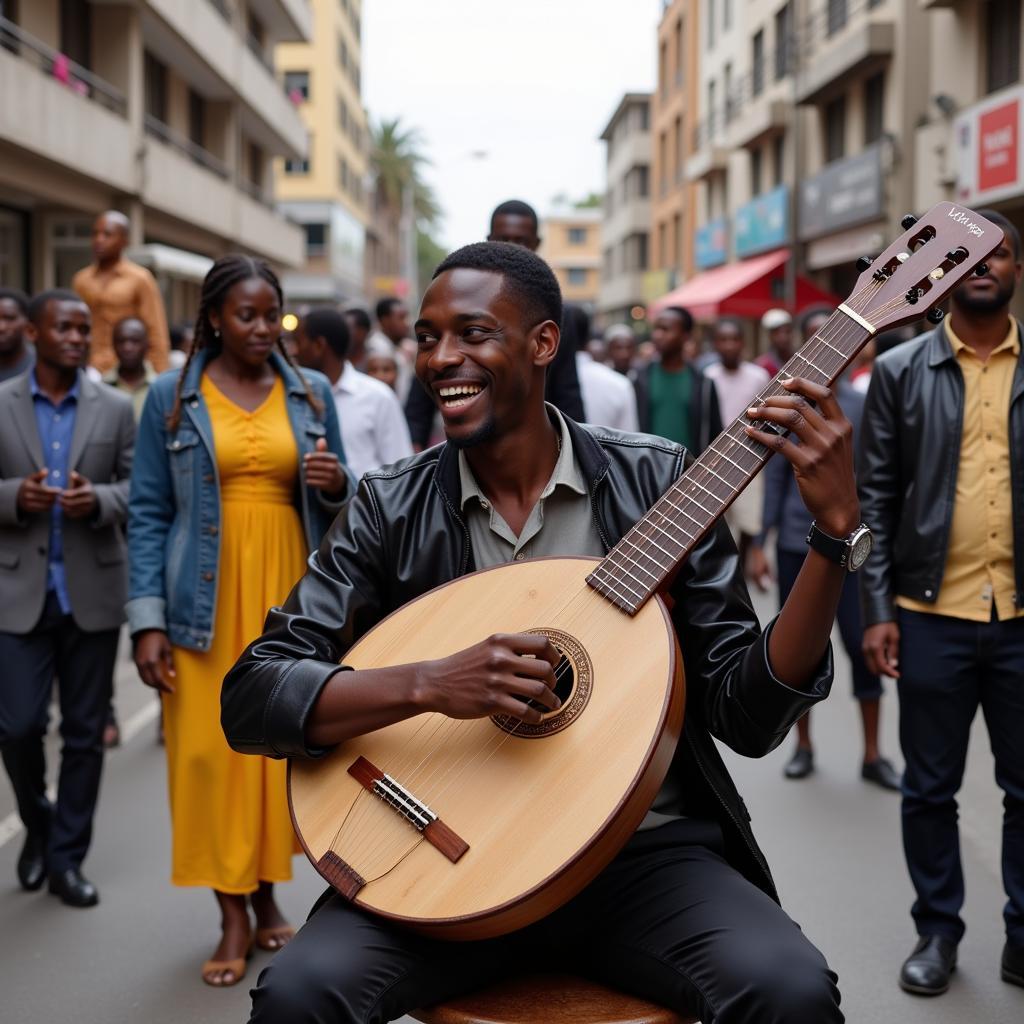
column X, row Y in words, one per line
column 560, row 524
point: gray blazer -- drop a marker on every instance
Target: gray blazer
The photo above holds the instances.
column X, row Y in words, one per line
column 95, row 557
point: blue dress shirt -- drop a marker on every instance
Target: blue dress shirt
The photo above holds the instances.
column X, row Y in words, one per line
column 56, row 426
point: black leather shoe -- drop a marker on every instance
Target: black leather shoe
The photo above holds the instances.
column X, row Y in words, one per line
column 74, row 888
column 881, row 773
column 32, row 862
column 1012, row 967
column 927, row 970
column 800, row 765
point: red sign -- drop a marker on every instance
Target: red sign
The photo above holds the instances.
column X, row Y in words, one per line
column 998, row 146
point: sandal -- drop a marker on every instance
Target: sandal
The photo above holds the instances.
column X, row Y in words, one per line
column 237, row 967
column 274, row 938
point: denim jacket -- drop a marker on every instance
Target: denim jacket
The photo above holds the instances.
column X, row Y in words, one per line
column 174, row 510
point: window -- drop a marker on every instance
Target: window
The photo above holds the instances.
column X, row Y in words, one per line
column 344, row 174
column 577, row 276
column 297, row 166
column 711, row 24
column 316, row 239
column 196, row 118
column 76, row 31
column 835, row 129
column 577, row 236
column 680, row 154
column 835, row 15
column 757, row 64
column 677, row 240
column 784, row 29
column 726, row 14
column 874, row 108
column 662, row 254
column 730, row 110
column 778, row 160
column 154, row 76
column 256, row 162
column 663, row 162
column 712, row 111
column 343, row 53
column 663, row 69
column 1002, row 43
column 679, row 52
column 343, row 115
column 756, row 171
column 296, row 83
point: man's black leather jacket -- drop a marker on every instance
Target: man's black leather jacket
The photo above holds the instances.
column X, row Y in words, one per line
column 907, row 472
column 403, row 534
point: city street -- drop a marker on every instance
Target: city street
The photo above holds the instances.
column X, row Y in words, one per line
column 833, row 843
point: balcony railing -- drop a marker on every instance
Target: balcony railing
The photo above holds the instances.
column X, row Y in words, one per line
column 258, row 50
column 256, row 191
column 59, row 66
column 163, row 132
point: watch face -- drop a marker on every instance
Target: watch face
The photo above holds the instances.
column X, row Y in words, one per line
column 860, row 549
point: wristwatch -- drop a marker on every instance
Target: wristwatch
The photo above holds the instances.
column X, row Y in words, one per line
column 849, row 552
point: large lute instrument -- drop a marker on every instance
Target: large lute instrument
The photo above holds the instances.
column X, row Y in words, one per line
column 470, row 829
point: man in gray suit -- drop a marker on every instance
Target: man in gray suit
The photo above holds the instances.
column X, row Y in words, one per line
column 65, row 457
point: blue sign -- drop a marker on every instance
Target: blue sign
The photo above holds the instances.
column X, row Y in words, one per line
column 712, row 243
column 763, row 223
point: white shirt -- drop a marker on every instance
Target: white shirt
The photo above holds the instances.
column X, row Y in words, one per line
column 736, row 387
column 608, row 397
column 373, row 427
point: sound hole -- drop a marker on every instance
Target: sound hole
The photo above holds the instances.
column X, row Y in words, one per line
column 574, row 680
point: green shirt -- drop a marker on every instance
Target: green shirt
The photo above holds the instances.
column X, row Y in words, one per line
column 670, row 395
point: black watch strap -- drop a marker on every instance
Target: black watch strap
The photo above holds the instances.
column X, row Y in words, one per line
column 834, row 549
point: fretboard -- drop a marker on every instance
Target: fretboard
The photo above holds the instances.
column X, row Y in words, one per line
column 649, row 554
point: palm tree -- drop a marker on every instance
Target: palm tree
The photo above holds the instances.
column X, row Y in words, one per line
column 396, row 159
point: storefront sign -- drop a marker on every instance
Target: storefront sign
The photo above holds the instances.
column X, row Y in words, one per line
column 845, row 193
column 763, row 223
column 712, row 244
column 990, row 156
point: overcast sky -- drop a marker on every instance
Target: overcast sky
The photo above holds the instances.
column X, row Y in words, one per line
column 528, row 85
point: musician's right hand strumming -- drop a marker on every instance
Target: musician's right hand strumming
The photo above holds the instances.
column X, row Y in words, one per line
column 495, row 676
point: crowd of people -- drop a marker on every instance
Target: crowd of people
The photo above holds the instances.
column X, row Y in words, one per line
column 178, row 479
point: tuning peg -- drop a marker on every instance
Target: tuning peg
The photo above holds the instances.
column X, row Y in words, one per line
column 912, row 296
column 935, row 315
column 981, row 270
column 864, row 262
column 908, row 221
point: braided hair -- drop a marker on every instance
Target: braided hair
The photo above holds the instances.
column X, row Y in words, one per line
column 225, row 273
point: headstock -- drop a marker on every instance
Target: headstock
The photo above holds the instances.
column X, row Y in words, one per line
column 922, row 266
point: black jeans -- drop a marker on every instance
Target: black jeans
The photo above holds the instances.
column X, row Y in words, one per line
column 948, row 667
column 668, row 920
column 866, row 685
column 83, row 664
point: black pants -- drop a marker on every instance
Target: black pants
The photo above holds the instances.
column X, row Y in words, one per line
column 866, row 685
column 948, row 667
column 668, row 920
column 83, row 664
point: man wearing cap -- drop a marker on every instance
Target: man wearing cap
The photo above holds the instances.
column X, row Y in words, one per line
column 778, row 324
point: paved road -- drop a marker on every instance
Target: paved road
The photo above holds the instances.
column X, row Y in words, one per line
column 833, row 842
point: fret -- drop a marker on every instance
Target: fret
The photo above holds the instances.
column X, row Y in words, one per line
column 699, row 504
column 651, row 540
column 706, row 466
column 661, row 529
column 617, row 580
column 824, row 342
column 608, row 591
column 665, row 497
column 727, row 459
column 640, row 568
column 816, row 369
column 633, row 544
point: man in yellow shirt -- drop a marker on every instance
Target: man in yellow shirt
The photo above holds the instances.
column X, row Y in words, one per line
column 942, row 487
column 114, row 288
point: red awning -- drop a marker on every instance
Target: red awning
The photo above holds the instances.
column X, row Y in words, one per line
column 745, row 288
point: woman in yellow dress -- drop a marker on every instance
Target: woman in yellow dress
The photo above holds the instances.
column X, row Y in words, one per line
column 238, row 472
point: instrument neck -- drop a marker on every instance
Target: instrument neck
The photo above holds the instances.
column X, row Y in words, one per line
column 647, row 557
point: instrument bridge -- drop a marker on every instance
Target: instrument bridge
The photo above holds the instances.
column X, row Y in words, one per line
column 418, row 814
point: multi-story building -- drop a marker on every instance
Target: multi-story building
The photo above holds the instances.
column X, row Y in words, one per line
column 673, row 197
column 326, row 190
column 168, row 110
column 571, row 245
column 802, row 149
column 970, row 145
column 626, row 226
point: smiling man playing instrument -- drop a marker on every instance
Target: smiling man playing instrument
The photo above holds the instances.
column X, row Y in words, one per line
column 686, row 914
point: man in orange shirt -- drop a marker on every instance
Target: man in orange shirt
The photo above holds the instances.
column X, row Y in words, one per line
column 942, row 486
column 115, row 288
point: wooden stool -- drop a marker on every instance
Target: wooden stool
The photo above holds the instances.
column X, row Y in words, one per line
column 548, row 999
